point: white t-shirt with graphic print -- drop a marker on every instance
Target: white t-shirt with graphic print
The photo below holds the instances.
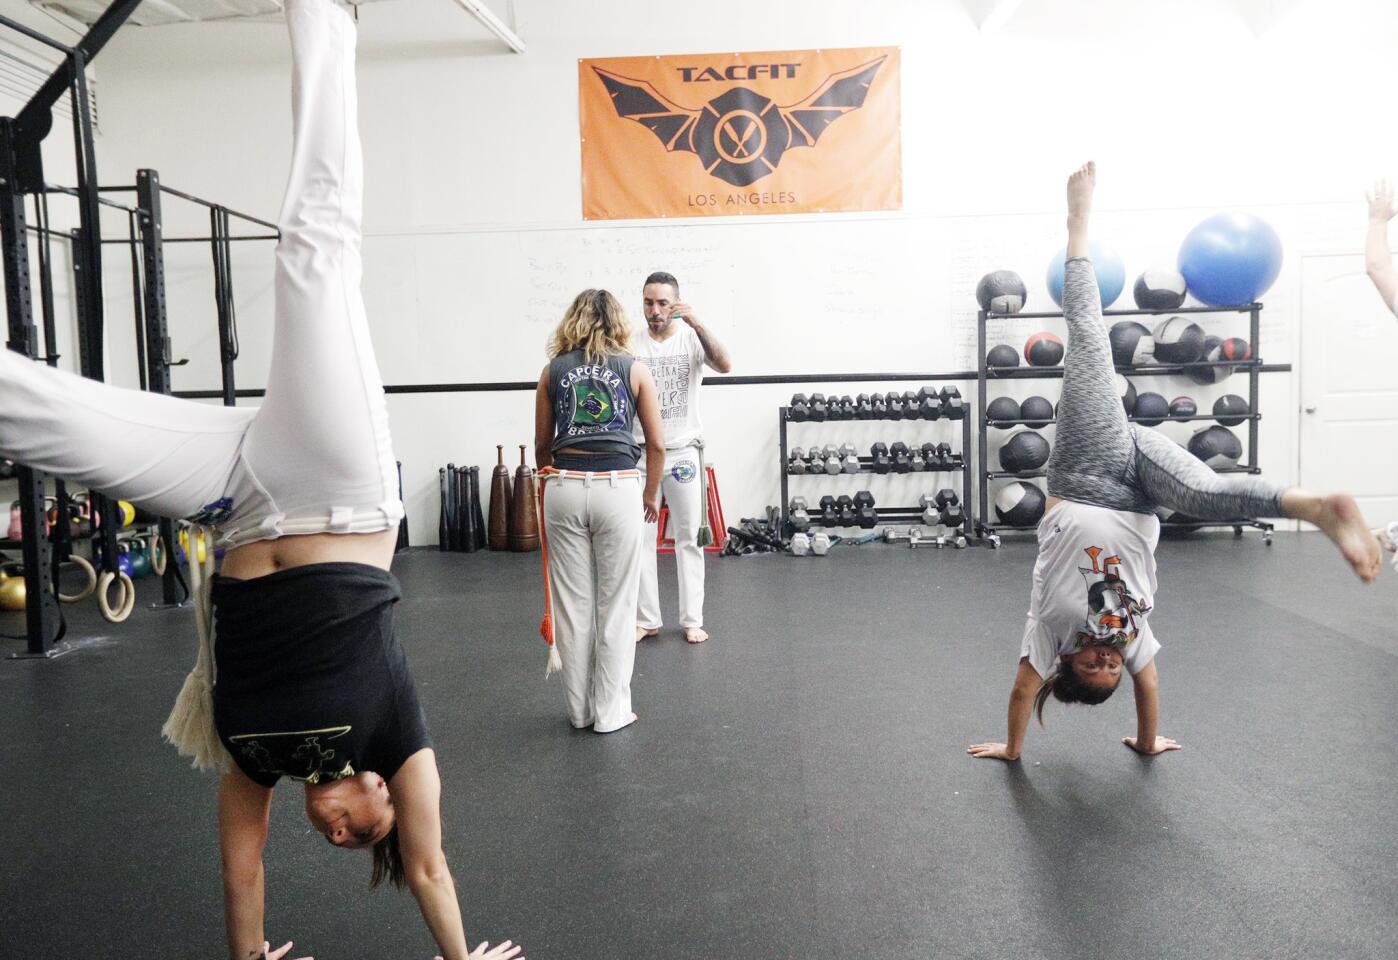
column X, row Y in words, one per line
column 1094, row 581
column 677, row 364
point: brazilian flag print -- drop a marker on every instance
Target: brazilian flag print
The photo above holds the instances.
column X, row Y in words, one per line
column 592, row 404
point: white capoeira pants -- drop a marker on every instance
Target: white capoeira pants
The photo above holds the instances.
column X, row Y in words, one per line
column 316, row 456
column 592, row 532
column 683, row 490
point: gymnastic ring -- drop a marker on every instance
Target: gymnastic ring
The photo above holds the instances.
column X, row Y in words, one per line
column 157, row 555
column 86, row 591
column 128, row 596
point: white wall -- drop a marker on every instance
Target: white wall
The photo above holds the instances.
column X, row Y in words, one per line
column 475, row 235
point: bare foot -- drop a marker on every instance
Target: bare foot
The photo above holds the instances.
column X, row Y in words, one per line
column 1341, row 521
column 695, row 634
column 642, row 633
column 1080, row 187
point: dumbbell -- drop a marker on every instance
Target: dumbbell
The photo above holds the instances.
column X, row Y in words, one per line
column 820, row 544
column 829, row 514
column 800, row 518
column 832, row 460
column 894, row 401
column 815, row 460
column 864, row 407
column 800, row 545
column 931, row 513
column 796, row 461
column 849, row 458
column 902, row 460
column 844, row 505
column 880, row 405
column 865, row 514
column 882, row 462
column 819, row 409
column 929, row 456
column 950, row 504
column 919, row 462
column 847, row 411
column 912, row 410
column 945, row 456
column 953, row 407
column 929, row 403
column 800, row 407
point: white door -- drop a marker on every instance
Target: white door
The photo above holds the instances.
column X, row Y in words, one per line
column 1349, row 386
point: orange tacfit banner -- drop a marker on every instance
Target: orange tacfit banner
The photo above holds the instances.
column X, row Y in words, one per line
column 721, row 134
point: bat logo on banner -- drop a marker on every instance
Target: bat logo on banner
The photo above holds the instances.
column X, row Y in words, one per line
column 742, row 135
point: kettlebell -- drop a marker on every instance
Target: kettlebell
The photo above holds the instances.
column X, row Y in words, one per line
column 12, row 587
column 184, row 547
column 140, row 558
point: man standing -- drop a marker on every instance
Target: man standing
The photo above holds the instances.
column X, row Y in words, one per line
column 675, row 349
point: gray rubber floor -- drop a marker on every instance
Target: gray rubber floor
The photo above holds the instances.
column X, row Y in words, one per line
column 797, row 788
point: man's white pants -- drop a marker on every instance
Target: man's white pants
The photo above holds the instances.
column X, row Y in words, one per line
column 592, row 530
column 683, row 489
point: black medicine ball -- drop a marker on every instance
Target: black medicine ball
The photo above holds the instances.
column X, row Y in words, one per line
column 1159, row 289
column 1001, row 410
column 1037, row 411
column 1132, row 343
column 1002, row 355
column 1043, row 349
column 1024, row 452
column 1216, row 446
column 1178, row 340
column 1183, row 407
column 1212, row 353
column 1020, row 504
column 1231, row 409
column 1151, row 409
column 1001, row 291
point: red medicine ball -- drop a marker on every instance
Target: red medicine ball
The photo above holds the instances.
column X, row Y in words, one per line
column 1236, row 348
column 1043, row 349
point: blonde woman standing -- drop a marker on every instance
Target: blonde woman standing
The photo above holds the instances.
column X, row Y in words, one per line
column 595, row 502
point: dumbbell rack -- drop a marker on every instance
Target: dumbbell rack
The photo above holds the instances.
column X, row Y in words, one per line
column 866, row 465
column 989, row 532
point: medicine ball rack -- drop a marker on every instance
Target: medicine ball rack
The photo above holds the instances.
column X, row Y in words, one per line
column 909, row 514
column 990, row 532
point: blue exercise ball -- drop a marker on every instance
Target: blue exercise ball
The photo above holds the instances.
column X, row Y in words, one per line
column 1230, row 259
column 1111, row 273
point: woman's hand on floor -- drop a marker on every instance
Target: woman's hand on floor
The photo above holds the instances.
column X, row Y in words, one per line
column 278, row 953
column 1161, row 745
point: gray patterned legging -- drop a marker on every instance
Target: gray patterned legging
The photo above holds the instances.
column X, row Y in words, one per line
column 1100, row 458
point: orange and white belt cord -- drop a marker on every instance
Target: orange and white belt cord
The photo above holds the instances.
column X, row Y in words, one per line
column 588, row 478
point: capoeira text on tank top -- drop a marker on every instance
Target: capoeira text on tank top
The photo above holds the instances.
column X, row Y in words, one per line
column 593, row 400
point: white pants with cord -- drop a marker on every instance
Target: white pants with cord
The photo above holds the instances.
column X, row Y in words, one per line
column 592, row 533
column 316, row 457
column 683, row 489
